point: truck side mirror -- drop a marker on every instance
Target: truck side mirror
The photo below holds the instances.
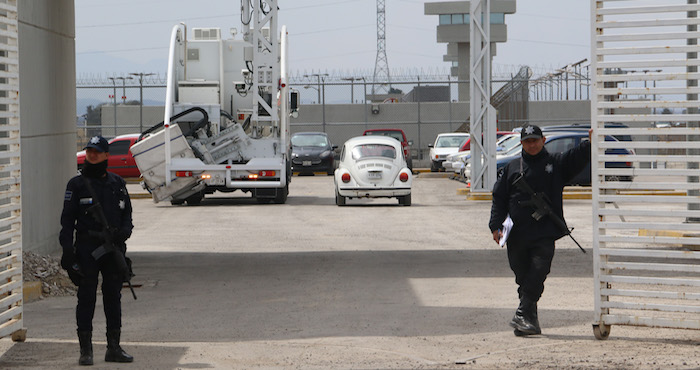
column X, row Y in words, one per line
column 294, row 103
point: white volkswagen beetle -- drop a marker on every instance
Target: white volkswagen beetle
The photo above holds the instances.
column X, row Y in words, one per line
column 372, row 167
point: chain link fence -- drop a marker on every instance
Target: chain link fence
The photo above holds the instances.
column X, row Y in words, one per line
column 345, row 106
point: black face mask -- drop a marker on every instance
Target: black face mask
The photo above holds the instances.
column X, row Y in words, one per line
column 94, row 171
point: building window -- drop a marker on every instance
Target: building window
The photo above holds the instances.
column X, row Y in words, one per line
column 498, row 18
column 455, row 63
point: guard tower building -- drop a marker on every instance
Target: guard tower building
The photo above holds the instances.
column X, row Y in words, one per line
column 453, row 29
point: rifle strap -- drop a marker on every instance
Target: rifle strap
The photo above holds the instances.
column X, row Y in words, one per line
column 88, row 185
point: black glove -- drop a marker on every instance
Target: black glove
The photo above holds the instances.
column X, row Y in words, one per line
column 68, row 260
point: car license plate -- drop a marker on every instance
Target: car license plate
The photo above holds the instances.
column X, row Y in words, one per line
column 374, row 175
column 306, row 163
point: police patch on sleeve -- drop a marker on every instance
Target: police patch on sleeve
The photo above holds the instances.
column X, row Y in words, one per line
column 69, row 195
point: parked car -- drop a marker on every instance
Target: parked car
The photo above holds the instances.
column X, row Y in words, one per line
column 455, row 162
column 467, row 144
column 120, row 159
column 559, row 142
column 372, row 167
column 445, row 144
column 312, row 152
column 399, row 135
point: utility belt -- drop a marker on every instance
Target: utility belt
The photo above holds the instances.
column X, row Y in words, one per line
column 84, row 238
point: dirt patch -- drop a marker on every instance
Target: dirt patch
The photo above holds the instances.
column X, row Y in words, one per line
column 47, row 269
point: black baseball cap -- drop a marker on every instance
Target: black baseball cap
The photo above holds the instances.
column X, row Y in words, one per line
column 99, row 143
column 530, row 132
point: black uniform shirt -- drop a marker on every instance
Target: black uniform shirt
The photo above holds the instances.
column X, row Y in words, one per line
column 545, row 173
column 112, row 195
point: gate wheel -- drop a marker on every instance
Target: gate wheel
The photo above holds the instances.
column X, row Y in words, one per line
column 601, row 331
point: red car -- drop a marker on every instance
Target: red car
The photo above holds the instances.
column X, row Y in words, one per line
column 399, row 135
column 120, row 160
column 467, row 146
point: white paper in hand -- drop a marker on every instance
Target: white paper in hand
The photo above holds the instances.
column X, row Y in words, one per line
column 507, row 225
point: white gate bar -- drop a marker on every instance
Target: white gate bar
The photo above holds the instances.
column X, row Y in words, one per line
column 650, row 63
column 649, row 9
column 651, row 321
column 650, row 131
column 650, row 266
column 648, row 213
column 650, row 253
column 616, row 91
column 650, row 280
column 649, row 199
column 646, row 225
column 647, row 36
column 651, row 145
column 645, row 171
column 647, row 158
column 648, row 50
column 650, row 307
column 651, row 294
column 622, row 185
column 649, row 117
column 651, row 23
column 650, row 240
column 11, row 247
column 648, row 104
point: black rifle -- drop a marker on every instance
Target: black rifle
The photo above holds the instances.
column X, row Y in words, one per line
column 540, row 202
column 109, row 247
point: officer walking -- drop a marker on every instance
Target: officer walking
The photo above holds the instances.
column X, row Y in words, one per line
column 531, row 241
column 95, row 186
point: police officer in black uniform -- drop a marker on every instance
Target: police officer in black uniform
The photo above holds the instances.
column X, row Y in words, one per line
column 80, row 236
column 531, row 242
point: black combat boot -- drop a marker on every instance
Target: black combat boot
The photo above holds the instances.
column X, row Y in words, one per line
column 115, row 353
column 533, row 318
column 85, row 339
column 522, row 321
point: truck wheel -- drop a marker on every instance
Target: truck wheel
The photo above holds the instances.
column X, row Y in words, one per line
column 177, row 202
column 195, row 199
column 433, row 167
column 281, row 195
column 409, row 164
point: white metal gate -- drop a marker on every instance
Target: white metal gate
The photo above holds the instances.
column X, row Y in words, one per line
column 646, row 218
column 10, row 205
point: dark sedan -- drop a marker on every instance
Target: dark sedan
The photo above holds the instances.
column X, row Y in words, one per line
column 312, row 152
column 559, row 142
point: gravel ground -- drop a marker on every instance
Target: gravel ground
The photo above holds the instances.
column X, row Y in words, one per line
column 47, row 269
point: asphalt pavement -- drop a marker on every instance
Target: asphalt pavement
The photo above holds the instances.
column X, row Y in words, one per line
column 232, row 284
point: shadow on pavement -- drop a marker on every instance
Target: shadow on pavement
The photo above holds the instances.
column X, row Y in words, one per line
column 51, row 355
column 194, row 297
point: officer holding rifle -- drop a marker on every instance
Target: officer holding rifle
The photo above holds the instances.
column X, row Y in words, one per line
column 96, row 222
column 530, row 192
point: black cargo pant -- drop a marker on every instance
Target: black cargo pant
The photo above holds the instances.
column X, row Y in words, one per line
column 87, row 291
column 531, row 262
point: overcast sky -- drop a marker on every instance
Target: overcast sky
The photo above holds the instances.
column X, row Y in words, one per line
column 114, row 37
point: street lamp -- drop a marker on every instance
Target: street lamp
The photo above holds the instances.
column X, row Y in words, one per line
column 318, row 81
column 352, row 87
column 312, row 87
column 114, row 97
column 124, row 87
column 140, row 75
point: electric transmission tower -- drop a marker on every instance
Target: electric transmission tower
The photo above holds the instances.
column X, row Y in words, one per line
column 381, row 82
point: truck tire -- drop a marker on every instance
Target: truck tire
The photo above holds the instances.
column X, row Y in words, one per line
column 281, row 196
column 195, row 199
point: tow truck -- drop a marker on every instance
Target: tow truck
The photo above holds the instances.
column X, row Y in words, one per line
column 227, row 109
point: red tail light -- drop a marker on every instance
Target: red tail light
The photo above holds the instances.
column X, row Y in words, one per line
column 183, row 173
column 403, row 177
column 345, row 178
column 266, row 173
